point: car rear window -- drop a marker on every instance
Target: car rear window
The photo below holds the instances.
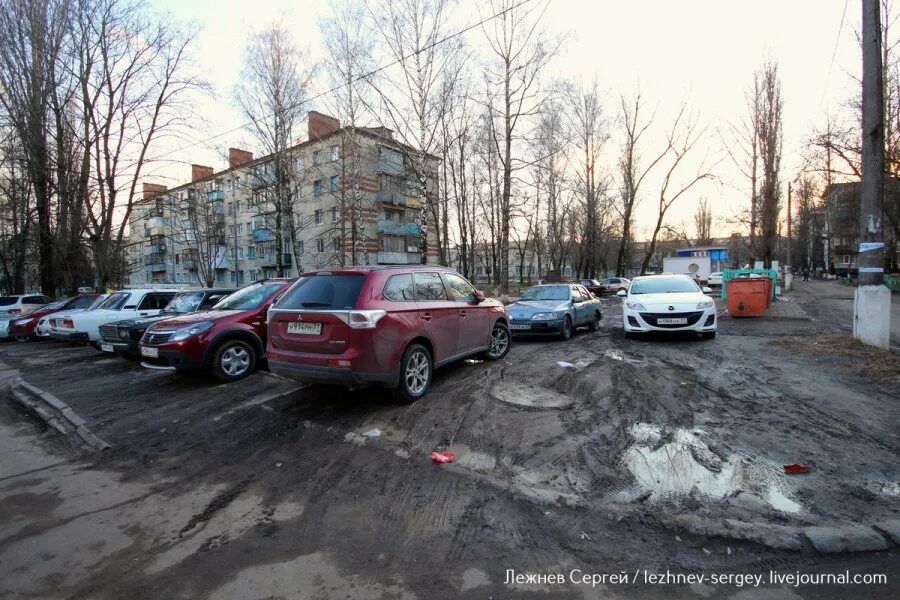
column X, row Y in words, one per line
column 7, row 300
column 335, row 292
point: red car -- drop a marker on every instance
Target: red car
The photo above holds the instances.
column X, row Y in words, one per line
column 229, row 339
column 390, row 325
column 23, row 328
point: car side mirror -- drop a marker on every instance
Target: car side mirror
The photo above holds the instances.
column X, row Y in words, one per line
column 707, row 290
column 479, row 296
column 576, row 299
column 621, row 293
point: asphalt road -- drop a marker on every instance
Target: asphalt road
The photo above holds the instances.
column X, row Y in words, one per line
column 600, row 454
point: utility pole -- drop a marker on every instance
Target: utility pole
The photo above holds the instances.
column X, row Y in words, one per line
column 788, row 270
column 872, row 303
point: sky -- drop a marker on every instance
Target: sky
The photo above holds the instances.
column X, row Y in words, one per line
column 699, row 52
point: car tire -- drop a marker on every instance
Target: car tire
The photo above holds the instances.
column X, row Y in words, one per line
column 23, row 338
column 415, row 364
column 233, row 360
column 566, row 332
column 594, row 325
column 502, row 339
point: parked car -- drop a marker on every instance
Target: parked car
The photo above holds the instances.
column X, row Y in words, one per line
column 4, row 328
column 123, row 337
column 22, row 304
column 46, row 323
column 229, row 339
column 25, row 327
column 554, row 309
column 614, row 284
column 126, row 304
column 715, row 278
column 667, row 303
column 386, row 325
column 593, row 286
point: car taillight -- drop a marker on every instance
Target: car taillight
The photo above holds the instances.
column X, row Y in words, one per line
column 365, row 319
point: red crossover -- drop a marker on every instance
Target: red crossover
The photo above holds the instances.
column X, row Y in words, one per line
column 229, row 339
column 390, row 325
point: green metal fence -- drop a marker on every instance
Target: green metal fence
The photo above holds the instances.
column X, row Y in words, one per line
column 892, row 282
column 729, row 274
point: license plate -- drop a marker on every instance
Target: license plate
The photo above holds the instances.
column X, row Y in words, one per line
column 149, row 352
column 515, row 326
column 106, row 347
column 301, row 328
column 671, row 321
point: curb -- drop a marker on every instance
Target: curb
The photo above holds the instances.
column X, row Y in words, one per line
column 826, row 540
column 55, row 413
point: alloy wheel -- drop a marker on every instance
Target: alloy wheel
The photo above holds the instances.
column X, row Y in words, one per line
column 499, row 342
column 235, row 361
column 417, row 372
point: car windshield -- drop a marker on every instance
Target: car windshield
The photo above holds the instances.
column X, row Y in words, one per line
column 80, row 301
column 7, row 300
column 250, row 297
column 336, row 292
column 114, row 301
column 591, row 282
column 52, row 306
column 547, row 292
column 184, row 303
column 663, row 285
column 97, row 302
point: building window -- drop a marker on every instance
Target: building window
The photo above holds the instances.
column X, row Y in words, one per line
column 317, row 187
column 317, row 157
column 320, row 245
column 336, row 243
column 335, row 153
column 334, row 183
column 334, row 214
column 300, row 248
column 319, row 217
column 240, row 253
column 252, row 274
column 220, row 277
column 298, row 163
column 251, row 252
column 239, row 229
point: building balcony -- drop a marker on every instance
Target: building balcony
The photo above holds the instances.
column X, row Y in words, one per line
column 215, row 195
column 262, row 235
column 399, row 199
column 189, row 264
column 156, row 267
column 399, row 258
column 153, row 213
column 389, row 167
column 154, row 248
column 398, row 228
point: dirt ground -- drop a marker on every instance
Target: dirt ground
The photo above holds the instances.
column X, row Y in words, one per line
column 600, row 454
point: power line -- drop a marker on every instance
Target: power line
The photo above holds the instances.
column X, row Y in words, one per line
column 834, row 51
column 356, row 79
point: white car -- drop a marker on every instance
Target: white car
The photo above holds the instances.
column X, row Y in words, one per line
column 84, row 326
column 667, row 303
column 45, row 324
column 23, row 304
column 714, row 279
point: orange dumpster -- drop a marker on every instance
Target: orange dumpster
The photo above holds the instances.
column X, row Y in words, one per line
column 769, row 284
column 747, row 296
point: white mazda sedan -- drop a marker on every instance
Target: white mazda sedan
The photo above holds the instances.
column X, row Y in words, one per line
column 667, row 303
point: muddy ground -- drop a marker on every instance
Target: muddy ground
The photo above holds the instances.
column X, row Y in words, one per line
column 599, row 453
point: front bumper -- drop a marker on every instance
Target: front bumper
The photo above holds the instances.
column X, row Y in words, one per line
column 330, row 375
column 638, row 322
column 120, row 347
column 530, row 327
column 170, row 359
column 70, row 336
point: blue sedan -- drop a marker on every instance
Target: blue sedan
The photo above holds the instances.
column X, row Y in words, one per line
column 555, row 309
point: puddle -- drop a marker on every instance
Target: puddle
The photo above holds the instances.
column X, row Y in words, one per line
column 680, row 464
column 471, row 459
column 632, row 358
column 528, row 396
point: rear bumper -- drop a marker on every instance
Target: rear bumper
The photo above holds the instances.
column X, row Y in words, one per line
column 70, row 336
column 331, row 375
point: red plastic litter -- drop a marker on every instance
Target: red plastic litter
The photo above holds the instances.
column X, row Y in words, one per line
column 796, row 469
column 442, row 457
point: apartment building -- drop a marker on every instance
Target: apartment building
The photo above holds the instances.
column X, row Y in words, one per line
column 345, row 195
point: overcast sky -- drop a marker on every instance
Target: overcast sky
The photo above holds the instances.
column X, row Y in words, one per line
column 703, row 51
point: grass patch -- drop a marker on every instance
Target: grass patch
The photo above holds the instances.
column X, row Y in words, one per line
column 866, row 361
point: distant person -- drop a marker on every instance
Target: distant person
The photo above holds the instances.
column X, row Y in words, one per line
column 806, row 274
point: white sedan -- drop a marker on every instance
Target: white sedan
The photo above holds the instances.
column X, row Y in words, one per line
column 714, row 279
column 667, row 303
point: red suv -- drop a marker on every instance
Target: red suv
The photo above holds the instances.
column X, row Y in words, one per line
column 229, row 339
column 390, row 325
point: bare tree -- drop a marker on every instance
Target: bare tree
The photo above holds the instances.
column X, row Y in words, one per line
column 272, row 93
column 770, row 149
column 632, row 173
column 703, row 220
column 520, row 51
column 682, row 139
